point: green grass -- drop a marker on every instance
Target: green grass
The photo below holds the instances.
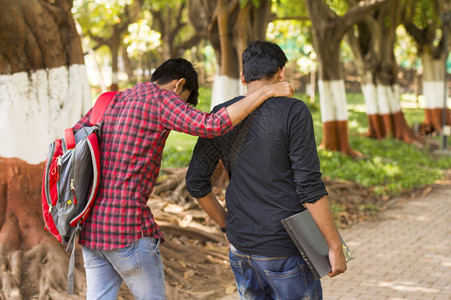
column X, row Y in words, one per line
column 179, row 146
column 389, row 166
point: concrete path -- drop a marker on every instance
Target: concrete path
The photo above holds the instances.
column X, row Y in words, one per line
column 404, row 254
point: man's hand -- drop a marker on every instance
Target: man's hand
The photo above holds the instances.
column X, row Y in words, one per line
column 337, row 261
column 321, row 213
column 280, row 89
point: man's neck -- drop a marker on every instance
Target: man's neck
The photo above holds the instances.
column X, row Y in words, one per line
column 254, row 85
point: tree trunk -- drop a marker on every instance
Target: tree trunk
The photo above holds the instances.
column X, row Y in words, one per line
column 376, row 64
column 43, row 86
column 115, row 44
column 227, row 84
column 433, row 91
column 43, row 89
column 376, row 128
column 229, row 27
column 432, row 55
column 328, row 31
column 386, row 77
column 363, row 49
column 33, row 262
column 311, row 91
column 169, row 21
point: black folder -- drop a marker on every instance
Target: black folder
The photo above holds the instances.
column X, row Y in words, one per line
column 310, row 242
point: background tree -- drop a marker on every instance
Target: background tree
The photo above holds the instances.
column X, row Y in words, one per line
column 43, row 88
column 140, row 43
column 422, row 22
column 229, row 26
column 377, row 65
column 105, row 23
column 291, row 29
column 328, row 31
column 169, row 18
column 43, row 85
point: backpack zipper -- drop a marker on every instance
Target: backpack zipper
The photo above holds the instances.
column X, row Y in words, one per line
column 48, row 172
column 72, row 173
column 59, row 163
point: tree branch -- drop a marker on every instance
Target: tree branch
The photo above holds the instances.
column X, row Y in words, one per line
column 416, row 32
column 318, row 9
column 358, row 12
column 293, row 18
column 194, row 40
column 100, row 41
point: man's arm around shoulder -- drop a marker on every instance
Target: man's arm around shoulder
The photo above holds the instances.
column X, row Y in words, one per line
column 241, row 109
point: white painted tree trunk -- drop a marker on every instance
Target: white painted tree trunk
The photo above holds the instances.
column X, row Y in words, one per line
column 381, row 99
column 332, row 95
column 370, row 97
column 433, row 81
column 35, row 109
column 388, row 99
column 224, row 89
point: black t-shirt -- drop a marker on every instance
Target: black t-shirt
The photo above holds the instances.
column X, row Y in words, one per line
column 273, row 165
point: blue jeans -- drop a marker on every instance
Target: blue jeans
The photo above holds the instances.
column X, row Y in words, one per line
column 282, row 278
column 138, row 264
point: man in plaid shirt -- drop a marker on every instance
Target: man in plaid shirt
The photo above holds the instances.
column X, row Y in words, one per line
column 120, row 239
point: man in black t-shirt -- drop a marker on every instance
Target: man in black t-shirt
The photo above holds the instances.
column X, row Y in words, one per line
column 274, row 171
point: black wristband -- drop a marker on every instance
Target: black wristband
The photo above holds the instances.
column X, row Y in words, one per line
column 223, row 229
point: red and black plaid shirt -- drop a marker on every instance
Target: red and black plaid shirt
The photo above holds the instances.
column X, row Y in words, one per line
column 134, row 132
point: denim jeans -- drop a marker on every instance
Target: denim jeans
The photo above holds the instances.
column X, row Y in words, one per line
column 139, row 265
column 282, row 278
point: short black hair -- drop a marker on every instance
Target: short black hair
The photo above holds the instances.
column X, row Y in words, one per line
column 262, row 60
column 178, row 68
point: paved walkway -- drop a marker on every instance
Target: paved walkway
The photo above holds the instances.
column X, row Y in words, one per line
column 405, row 254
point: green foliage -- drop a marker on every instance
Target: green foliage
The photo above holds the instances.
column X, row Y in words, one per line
column 389, row 166
column 98, row 15
column 295, row 40
column 176, row 156
column 423, row 12
column 339, row 7
column 243, row 3
column 289, row 8
column 161, row 4
column 180, row 146
column 406, row 50
column 204, row 99
column 141, row 38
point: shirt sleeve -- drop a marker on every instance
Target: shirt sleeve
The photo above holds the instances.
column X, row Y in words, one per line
column 177, row 115
column 304, row 156
column 202, row 166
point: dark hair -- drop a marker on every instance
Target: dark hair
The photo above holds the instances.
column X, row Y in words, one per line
column 262, row 60
column 178, row 68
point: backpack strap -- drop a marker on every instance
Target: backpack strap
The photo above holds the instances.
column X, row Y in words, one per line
column 69, row 138
column 98, row 110
column 100, row 107
column 70, row 272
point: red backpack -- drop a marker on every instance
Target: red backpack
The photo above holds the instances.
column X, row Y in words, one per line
column 71, row 180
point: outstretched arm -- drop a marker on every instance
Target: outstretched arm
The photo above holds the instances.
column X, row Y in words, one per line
column 321, row 213
column 177, row 115
column 241, row 109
